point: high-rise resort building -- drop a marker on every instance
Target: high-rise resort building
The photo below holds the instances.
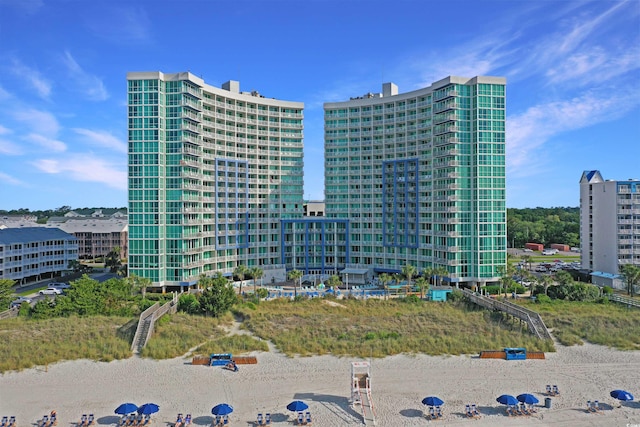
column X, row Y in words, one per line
column 215, row 182
column 212, row 172
column 420, row 176
column 609, row 223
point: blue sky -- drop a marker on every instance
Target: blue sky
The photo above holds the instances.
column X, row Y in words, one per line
column 572, row 69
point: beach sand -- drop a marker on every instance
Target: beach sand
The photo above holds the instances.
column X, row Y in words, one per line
column 399, row 383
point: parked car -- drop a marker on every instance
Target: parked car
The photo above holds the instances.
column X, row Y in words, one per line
column 18, row 302
column 50, row 291
column 527, row 250
column 59, row 285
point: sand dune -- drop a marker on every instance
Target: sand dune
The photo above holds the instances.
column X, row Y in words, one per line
column 582, row 373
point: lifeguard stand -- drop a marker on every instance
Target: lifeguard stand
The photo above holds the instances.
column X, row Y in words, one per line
column 361, row 390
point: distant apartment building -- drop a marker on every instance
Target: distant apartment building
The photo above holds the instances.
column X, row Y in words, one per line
column 314, row 208
column 34, row 253
column 97, row 236
column 609, row 222
column 421, row 178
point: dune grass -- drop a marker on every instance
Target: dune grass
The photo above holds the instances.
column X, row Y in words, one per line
column 28, row 343
column 234, row 344
column 612, row 325
column 174, row 335
column 378, row 328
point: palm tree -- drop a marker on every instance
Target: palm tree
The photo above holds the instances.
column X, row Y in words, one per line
column 333, row 282
column 527, row 260
column 408, row 271
column 429, row 273
column 240, row 271
column 546, row 282
column 255, row 273
column 385, row 278
column 440, row 273
column 295, row 275
column 423, row 284
column 631, row 275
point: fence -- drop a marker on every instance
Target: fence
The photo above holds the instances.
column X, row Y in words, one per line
column 147, row 322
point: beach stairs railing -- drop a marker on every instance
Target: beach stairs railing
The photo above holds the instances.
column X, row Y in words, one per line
column 147, row 321
column 534, row 321
column 629, row 302
column 8, row 314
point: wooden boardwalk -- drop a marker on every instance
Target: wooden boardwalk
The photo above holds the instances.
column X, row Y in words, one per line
column 533, row 319
column 629, row 302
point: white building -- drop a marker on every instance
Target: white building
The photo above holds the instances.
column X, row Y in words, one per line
column 35, row 252
column 609, row 222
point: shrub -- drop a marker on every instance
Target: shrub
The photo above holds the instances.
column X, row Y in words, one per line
column 607, row 290
column 455, row 295
column 492, row 289
column 262, row 293
column 188, row 303
column 412, row 299
column 543, row 299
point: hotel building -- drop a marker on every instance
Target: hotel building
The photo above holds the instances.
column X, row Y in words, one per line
column 215, row 181
column 421, row 178
column 212, row 172
column 609, row 223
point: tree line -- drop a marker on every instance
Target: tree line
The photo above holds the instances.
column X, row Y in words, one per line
column 543, row 225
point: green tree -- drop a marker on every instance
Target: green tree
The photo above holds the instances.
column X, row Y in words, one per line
column 563, row 277
column 408, row 271
column 385, row 278
column 423, row 284
column 334, row 282
column 6, row 293
column 218, row 295
column 113, row 260
column 255, row 273
column 139, row 284
column 74, row 265
column 189, row 304
column 240, row 272
column 546, row 282
column 295, row 275
column 440, row 273
column 631, row 276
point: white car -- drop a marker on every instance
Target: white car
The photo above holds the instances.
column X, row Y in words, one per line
column 50, row 291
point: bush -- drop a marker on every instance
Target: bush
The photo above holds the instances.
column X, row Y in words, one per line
column 517, row 288
column 262, row 293
column 455, row 295
column 492, row 289
column 542, row 299
column 412, row 299
column 188, row 303
column 607, row 290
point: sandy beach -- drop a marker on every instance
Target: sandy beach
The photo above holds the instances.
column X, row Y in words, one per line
column 399, row 383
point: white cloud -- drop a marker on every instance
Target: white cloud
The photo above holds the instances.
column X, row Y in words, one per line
column 40, row 84
column 9, row 148
column 103, row 139
column 86, row 168
column 133, row 25
column 4, row 130
column 41, row 122
column 4, row 95
column 90, row 85
column 8, row 179
column 529, row 131
column 47, row 143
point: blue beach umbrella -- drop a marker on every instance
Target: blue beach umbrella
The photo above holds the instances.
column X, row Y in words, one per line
column 527, row 398
column 222, row 409
column 148, row 409
column 126, row 408
column 507, row 399
column 432, row 401
column 621, row 395
column 297, row 406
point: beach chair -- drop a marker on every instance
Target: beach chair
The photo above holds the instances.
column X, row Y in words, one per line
column 510, row 410
column 267, row 419
column 5, row 421
column 260, row 420
column 467, row 410
column 438, row 411
column 179, row 421
column 217, row 421
column 596, row 406
column 555, row 390
column 549, row 391
column 300, row 418
column 91, row 420
column 12, row 421
column 53, row 418
column 474, row 411
column 84, row 418
column 44, row 422
column 225, row 420
column 307, row 418
column 187, row 420
column 589, row 406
